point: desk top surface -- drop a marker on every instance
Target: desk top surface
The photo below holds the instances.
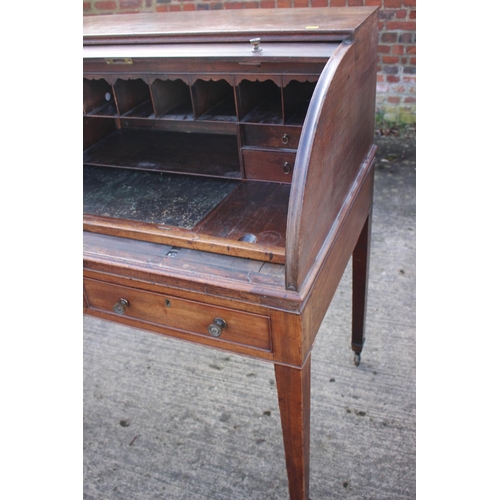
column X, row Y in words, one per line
column 225, row 25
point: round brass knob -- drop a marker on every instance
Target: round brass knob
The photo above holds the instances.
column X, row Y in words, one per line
column 215, row 329
column 120, row 306
column 287, row 168
column 255, row 42
column 285, row 139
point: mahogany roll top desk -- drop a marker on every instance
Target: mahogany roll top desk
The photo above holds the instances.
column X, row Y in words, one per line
column 228, row 179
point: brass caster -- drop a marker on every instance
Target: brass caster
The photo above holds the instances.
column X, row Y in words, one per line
column 357, row 358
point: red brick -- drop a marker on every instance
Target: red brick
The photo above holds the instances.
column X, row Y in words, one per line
column 392, row 79
column 401, row 14
column 188, row 6
column 410, row 100
column 283, row 4
column 386, row 14
column 338, row 3
column 402, row 25
column 251, row 5
column 407, row 38
column 413, row 14
column 390, row 60
column 86, row 6
column 233, row 5
column 409, row 79
column 130, row 4
column 392, row 4
column 411, row 49
column 413, row 60
column 300, row 3
column 391, row 70
column 267, row 4
column 319, row 3
column 398, row 50
column 354, row 3
column 409, row 3
column 403, row 60
column 389, row 37
column 373, row 3
column 174, row 8
column 400, row 89
column 384, row 49
column 380, row 78
column 106, row 5
column 394, row 99
column 164, row 8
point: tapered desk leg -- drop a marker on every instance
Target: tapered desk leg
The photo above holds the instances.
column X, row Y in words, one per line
column 360, row 264
column 294, row 394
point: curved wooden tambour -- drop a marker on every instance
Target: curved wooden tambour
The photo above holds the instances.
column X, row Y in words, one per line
column 337, row 136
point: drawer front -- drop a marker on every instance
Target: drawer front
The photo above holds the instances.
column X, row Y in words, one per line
column 248, row 329
column 268, row 165
column 265, row 136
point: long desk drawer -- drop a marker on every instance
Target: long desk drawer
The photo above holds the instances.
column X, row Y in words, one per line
column 244, row 328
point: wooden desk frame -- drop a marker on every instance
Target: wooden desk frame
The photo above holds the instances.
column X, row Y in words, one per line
column 206, row 284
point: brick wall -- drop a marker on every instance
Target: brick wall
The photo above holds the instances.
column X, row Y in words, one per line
column 396, row 79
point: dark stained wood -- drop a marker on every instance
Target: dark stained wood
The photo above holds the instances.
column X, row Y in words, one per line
column 193, row 216
column 326, row 273
column 214, row 100
column 360, row 265
column 266, row 68
column 268, row 165
column 157, row 150
column 188, row 273
column 260, row 102
column 270, row 136
column 172, row 99
column 258, row 209
column 98, row 98
column 95, row 129
column 264, row 250
column 297, row 97
column 226, row 25
column 179, row 314
column 133, row 98
column 336, row 138
column 294, row 395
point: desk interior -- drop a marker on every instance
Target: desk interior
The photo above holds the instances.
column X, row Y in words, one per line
column 198, row 209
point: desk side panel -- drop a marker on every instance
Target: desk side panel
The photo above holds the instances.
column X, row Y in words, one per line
column 337, row 136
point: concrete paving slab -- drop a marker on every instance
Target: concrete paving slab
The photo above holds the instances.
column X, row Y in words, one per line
column 164, row 419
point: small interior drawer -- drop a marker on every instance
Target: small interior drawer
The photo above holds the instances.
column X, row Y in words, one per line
column 265, row 136
column 268, row 165
column 244, row 328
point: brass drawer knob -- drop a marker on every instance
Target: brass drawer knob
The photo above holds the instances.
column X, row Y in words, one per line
column 256, row 44
column 120, row 306
column 287, row 168
column 285, row 139
column 215, row 329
